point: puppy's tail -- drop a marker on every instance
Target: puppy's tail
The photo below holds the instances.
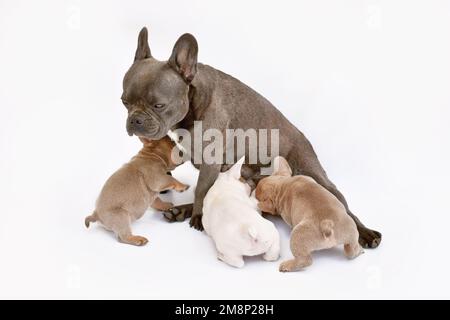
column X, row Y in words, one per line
column 92, row 218
column 253, row 233
column 327, row 226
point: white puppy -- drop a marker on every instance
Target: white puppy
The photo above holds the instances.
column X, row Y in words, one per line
column 232, row 219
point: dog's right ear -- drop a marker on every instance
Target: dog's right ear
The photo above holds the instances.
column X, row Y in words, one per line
column 281, row 167
column 184, row 57
column 143, row 49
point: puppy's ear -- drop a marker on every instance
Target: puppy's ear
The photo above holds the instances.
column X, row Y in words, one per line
column 266, row 206
column 281, row 167
column 235, row 170
column 184, row 57
column 145, row 140
column 143, row 50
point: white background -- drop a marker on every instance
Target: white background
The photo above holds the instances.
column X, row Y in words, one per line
column 367, row 81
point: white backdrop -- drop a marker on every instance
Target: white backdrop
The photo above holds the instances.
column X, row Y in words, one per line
column 367, row 81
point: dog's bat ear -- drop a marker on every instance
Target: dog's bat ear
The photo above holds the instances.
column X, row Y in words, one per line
column 281, row 167
column 184, row 57
column 235, row 170
column 143, row 49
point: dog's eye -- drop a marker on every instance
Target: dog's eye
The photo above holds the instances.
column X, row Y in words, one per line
column 159, row 106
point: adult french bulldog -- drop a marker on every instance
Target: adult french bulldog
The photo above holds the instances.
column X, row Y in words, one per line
column 161, row 96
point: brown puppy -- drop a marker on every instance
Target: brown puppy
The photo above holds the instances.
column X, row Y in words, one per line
column 132, row 189
column 318, row 218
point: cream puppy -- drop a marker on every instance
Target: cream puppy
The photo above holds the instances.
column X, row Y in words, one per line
column 232, row 219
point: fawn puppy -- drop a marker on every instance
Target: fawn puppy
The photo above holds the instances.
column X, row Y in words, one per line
column 318, row 218
column 132, row 189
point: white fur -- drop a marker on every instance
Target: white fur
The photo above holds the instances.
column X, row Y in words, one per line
column 232, row 219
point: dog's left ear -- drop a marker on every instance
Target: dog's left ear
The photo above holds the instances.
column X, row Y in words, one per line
column 266, row 206
column 235, row 170
column 143, row 49
column 184, row 57
column 281, row 167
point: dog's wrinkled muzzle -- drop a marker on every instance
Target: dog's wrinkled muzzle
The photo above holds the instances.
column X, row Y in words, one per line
column 142, row 125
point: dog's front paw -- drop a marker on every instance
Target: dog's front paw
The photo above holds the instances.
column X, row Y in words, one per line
column 182, row 187
column 178, row 213
column 196, row 222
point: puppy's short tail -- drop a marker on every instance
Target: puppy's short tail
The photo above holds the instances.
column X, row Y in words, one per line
column 253, row 233
column 327, row 226
column 92, row 218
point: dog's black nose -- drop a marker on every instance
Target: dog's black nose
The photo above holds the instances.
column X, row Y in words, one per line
column 137, row 121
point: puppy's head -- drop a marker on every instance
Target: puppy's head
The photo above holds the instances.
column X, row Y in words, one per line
column 163, row 147
column 165, row 143
column 267, row 191
column 155, row 93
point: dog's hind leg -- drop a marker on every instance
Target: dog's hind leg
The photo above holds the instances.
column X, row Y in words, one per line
column 352, row 248
column 232, row 260
column 273, row 253
column 120, row 224
column 367, row 238
column 303, row 242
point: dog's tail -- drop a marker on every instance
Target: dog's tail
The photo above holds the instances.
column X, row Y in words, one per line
column 92, row 218
column 327, row 227
column 252, row 232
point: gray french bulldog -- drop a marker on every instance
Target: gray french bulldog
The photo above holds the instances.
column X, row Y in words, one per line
column 162, row 96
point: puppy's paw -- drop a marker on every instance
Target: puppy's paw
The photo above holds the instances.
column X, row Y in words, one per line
column 354, row 251
column 269, row 256
column 181, row 187
column 165, row 206
column 237, row 262
column 288, row 266
column 135, row 240
column 196, row 222
column 296, row 264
